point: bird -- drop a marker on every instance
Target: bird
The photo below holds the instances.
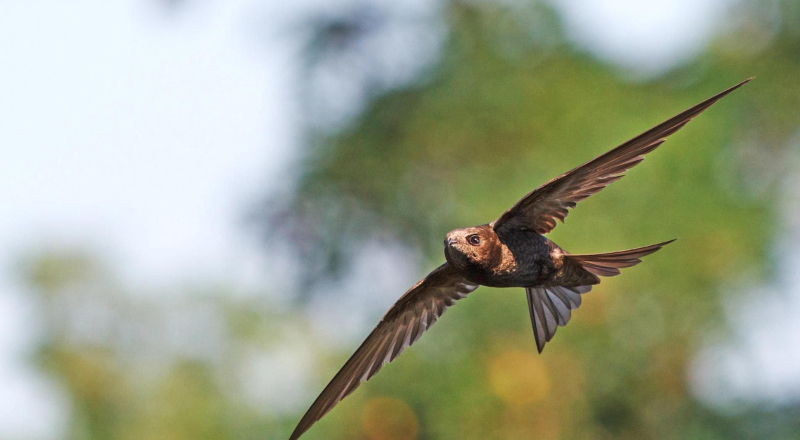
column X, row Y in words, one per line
column 511, row 251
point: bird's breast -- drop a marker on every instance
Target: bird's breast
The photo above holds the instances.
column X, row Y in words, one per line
column 524, row 259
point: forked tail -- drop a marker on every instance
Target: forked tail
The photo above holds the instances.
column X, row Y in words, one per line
column 551, row 306
column 608, row 265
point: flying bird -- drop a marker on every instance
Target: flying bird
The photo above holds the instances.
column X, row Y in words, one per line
column 509, row 252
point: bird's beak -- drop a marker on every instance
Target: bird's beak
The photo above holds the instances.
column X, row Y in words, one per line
column 449, row 241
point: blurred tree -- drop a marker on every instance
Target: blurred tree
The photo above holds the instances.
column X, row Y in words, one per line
column 141, row 367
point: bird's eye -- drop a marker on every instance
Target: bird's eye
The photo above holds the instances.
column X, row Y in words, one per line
column 474, row 240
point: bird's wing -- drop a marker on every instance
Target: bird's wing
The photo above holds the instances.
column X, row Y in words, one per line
column 540, row 209
column 402, row 325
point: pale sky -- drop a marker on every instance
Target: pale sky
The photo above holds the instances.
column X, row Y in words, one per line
column 148, row 135
column 139, row 134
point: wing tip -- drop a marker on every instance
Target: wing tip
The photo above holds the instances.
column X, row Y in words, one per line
column 727, row 91
column 297, row 433
column 664, row 243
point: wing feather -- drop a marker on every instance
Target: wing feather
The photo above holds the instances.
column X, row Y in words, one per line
column 542, row 208
column 402, row 325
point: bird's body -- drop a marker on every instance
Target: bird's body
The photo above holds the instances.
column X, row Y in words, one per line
column 509, row 252
column 520, row 259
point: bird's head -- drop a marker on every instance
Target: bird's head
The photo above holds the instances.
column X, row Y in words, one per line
column 470, row 247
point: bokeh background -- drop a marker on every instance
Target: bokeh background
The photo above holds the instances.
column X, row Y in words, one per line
column 205, row 206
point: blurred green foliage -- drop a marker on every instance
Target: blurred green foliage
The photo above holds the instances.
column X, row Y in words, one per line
column 508, row 107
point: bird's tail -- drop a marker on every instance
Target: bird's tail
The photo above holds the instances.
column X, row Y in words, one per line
column 608, row 265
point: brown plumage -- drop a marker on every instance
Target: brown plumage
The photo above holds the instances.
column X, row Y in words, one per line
column 509, row 252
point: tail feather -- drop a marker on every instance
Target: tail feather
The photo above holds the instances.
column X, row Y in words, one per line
column 551, row 306
column 609, row 264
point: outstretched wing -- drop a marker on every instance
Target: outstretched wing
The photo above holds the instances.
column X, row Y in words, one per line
column 405, row 322
column 540, row 209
